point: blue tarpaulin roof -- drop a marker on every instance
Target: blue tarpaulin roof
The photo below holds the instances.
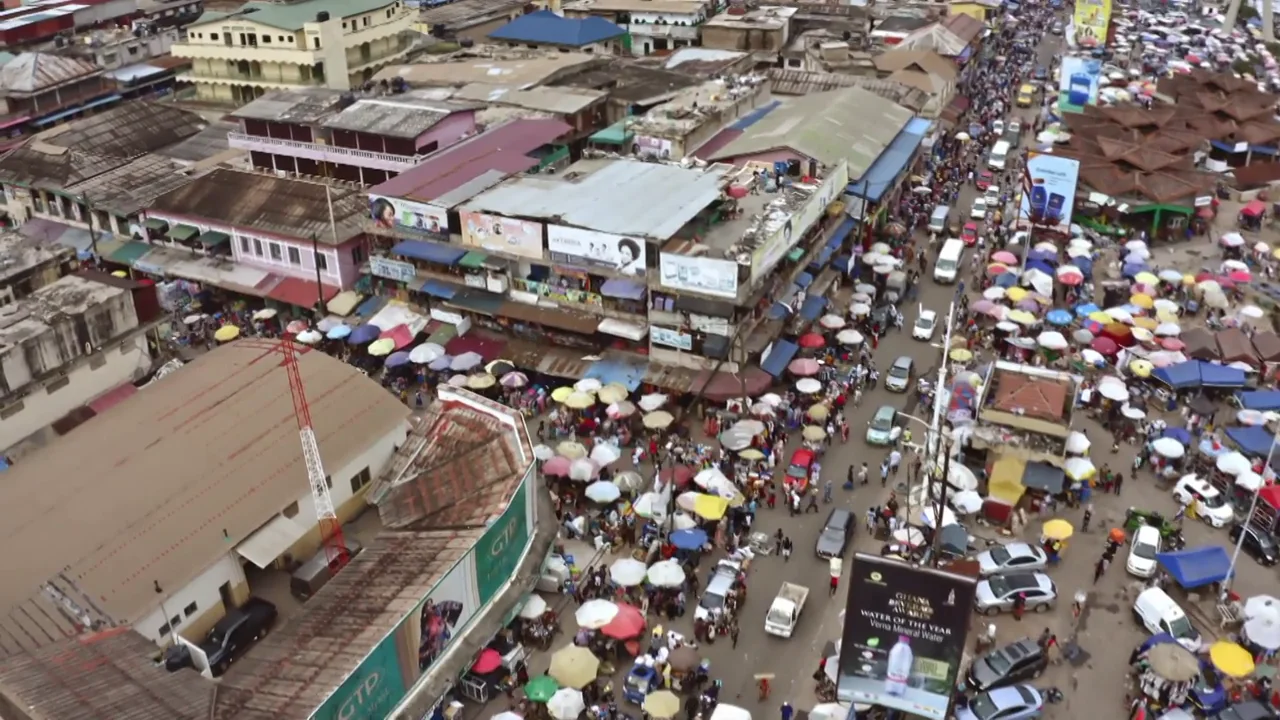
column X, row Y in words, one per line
column 891, row 163
column 1212, row 375
column 442, row 290
column 804, row 280
column 546, row 27
column 1196, row 567
column 1199, row 373
column 420, row 250
column 616, row 370
column 813, row 307
column 754, row 116
column 779, row 357
column 1252, row 440
column 1260, row 399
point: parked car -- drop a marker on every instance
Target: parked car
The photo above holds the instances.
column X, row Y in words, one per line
column 985, row 179
column 880, row 431
column 979, row 209
column 926, row 325
column 1205, row 499
column 998, row 592
column 1159, row 613
column 1251, row 710
column 1142, row 552
column 1014, row 557
column 1019, row 702
column 1259, row 545
column 230, row 637
column 833, row 541
column 899, row 375
column 1015, row 662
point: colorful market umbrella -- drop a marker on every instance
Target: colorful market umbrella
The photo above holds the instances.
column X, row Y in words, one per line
column 811, row 340
column 574, row 666
column 381, row 347
column 227, row 333
column 1231, row 659
column 541, row 688
column 804, row 367
column 627, row 624
column 560, row 394
column 1058, row 529
column 488, row 661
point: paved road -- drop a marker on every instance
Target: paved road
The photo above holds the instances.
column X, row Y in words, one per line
column 1094, row 689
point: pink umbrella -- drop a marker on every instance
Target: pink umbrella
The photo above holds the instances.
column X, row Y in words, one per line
column 557, row 466
column 804, row 367
column 996, row 311
column 982, row 306
column 1174, row 344
column 1071, row 279
column 1240, row 276
column 1004, row 256
column 995, row 269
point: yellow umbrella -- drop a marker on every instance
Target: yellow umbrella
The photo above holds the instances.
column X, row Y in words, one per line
column 1058, row 529
column 612, row 393
column 710, row 507
column 1274, row 253
column 574, row 666
column 382, row 347
column 579, row 400
column 1015, row 294
column 481, row 381
column 662, row 704
column 227, row 333
column 560, row 394
column 1143, row 300
column 961, row 355
column 658, row 420
column 1146, row 278
column 1101, row 317
column 571, row 449
column 1231, row 659
column 1145, row 323
column 1142, row 334
column 1191, row 279
column 120, row 274
column 819, row 412
column 751, row 454
column 1141, row 368
column 1022, row 317
column 813, row 433
column 1167, row 316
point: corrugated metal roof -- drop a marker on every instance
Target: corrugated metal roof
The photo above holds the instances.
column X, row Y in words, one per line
column 400, row 116
column 132, row 186
column 33, row 72
column 558, row 100
column 293, row 106
column 544, row 27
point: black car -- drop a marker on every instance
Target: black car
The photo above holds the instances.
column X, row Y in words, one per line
column 239, row 629
column 1251, row 710
column 1014, row 663
column 1259, row 545
column 833, row 541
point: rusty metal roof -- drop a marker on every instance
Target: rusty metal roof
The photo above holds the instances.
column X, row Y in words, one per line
column 35, row 72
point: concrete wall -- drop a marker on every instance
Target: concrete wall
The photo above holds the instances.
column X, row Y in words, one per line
column 198, row 605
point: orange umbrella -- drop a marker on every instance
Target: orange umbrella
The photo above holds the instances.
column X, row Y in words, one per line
column 627, row 624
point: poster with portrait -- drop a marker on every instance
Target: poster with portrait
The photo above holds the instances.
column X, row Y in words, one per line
column 398, row 214
column 591, row 249
column 494, row 233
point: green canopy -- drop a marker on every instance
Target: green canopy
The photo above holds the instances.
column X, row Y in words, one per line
column 473, row 259
column 129, row 253
column 183, row 233
column 541, row 688
column 155, row 224
column 211, row 238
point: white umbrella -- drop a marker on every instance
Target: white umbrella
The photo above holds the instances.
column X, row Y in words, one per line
column 1259, row 605
column 1092, row 357
column 849, row 337
column 994, row 293
column 859, row 309
column 605, row 454
column 748, row 426
column 860, row 297
column 1135, row 246
column 629, row 481
column 1249, row 481
column 1169, row 448
column 542, row 452
column 1233, row 463
column 808, row 386
column 425, row 353
column 1168, row 329
column 711, row 477
column 1113, row 389
column 507, row 714
column 967, row 502
column 309, row 337
column 1170, row 275
column 927, row 517
column 666, row 573
column 652, row 402
column 1251, row 417
column 265, row 314
column 466, row 361
column 627, row 572
column 583, row 470
column 961, row 477
column 651, row 505
column 773, row 399
column 1079, row 468
column 533, row 607
column 908, row 536
column 193, row 319
column 1132, row 412
column 1252, row 312
column 595, row 614
column 831, row 322
column 1119, row 314
column 1216, row 300
column 603, row 491
column 683, row 521
column 1263, row 629
column 588, row 385
column 567, row 703
column 1077, row 443
column 1052, row 340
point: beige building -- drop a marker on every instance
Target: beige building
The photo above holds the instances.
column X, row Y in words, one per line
column 653, row 26
column 924, row 70
column 265, row 46
column 765, row 29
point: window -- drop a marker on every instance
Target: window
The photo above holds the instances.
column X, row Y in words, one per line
column 360, row 479
column 133, row 49
column 344, row 24
column 284, row 39
column 164, row 630
column 10, row 411
column 57, row 385
column 189, row 610
column 316, row 42
column 275, row 251
column 295, row 257
column 97, row 361
column 291, row 510
column 266, row 39
column 244, row 245
column 328, row 481
column 322, row 262
column 357, row 254
column 364, row 21
column 213, row 37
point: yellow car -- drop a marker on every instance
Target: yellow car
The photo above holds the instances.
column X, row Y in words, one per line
column 1026, row 96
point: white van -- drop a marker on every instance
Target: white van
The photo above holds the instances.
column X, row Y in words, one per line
column 999, row 155
column 1158, row 613
column 938, row 219
column 947, row 266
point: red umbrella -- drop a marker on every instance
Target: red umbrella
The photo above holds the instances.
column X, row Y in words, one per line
column 1202, row 276
column 488, row 661
column 557, row 466
column 682, row 474
column 1172, row 344
column 1104, row 345
column 811, row 340
column 1240, row 276
column 804, row 367
column 628, row 623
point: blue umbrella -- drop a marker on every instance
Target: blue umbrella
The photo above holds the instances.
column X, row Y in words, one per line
column 337, row 332
column 1040, row 265
column 1131, row 269
column 1085, row 265
column 396, row 359
column 1059, row 317
column 1006, row 280
column 1086, row 310
column 1179, row 434
column 364, row 334
column 441, row 363
column 691, row 539
column 1044, row 256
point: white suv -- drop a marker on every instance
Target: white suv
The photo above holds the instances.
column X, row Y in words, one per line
column 1209, row 504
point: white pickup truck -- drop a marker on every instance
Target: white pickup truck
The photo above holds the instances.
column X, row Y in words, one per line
column 784, row 613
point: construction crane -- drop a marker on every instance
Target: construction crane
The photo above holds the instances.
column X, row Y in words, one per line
column 335, row 548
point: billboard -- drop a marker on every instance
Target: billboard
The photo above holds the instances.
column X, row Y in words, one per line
column 1051, row 197
column 789, row 233
column 398, row 214
column 648, row 146
column 904, row 636
column 500, row 549
column 494, row 233
column 1090, row 21
column 1078, row 83
column 710, row 276
column 588, row 248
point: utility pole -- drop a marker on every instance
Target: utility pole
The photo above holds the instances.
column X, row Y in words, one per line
column 936, row 443
column 1253, row 506
column 1233, row 14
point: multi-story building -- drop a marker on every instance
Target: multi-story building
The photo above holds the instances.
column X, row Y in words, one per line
column 266, row 46
column 365, row 139
column 119, row 47
column 651, row 25
column 39, row 90
column 28, row 264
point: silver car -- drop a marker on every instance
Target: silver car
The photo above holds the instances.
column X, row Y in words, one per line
column 1014, row 557
column 899, row 378
column 997, row 593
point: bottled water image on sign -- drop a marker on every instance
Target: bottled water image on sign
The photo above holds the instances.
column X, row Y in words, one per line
column 899, row 670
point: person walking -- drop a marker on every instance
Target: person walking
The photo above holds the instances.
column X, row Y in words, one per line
column 1019, row 605
column 1099, row 569
column 786, row 549
column 1088, row 515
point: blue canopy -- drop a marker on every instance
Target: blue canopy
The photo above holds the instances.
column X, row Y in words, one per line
column 691, row 539
column 1040, row 265
column 1182, row 376
column 1213, row 375
column 1252, row 440
column 779, row 357
column 1131, row 269
column 431, row 252
column 1182, row 435
column 1259, row 399
column 1044, row 256
column 627, row 373
column 1196, row 567
column 813, row 307
column 1085, row 265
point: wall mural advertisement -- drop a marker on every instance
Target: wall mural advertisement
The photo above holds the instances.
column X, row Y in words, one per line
column 646, row 146
column 1078, row 83
column 501, row 234
column 500, row 548
column 904, row 636
column 1052, row 195
column 397, row 214
column 588, row 248
column 699, row 274
column 766, row 257
column 1090, row 21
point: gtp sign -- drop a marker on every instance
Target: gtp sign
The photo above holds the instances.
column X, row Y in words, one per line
column 372, row 692
column 500, row 548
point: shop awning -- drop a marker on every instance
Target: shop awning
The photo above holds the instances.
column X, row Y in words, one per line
column 804, row 280
column 1005, row 483
column 430, row 252
column 1196, row 567
column 479, row 301
column 1259, row 399
column 551, row 317
column 486, row 347
column 813, row 307
column 401, row 335
column 783, row 352
column 473, row 259
column 300, row 293
column 213, row 238
column 440, row 289
column 183, row 233
column 619, row 328
column 714, row 308
column 443, row 334
column 370, row 306
column 344, row 302
column 155, row 224
column 129, row 253
column 622, row 288
column 270, row 541
column 1044, row 477
column 627, row 373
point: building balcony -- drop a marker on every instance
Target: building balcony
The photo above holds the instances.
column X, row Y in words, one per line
column 663, row 30
column 235, row 53
column 324, row 153
column 231, row 78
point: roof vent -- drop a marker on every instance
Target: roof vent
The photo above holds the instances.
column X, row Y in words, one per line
column 322, row 16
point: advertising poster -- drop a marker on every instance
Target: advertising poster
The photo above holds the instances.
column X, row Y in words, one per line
column 1053, row 192
column 699, row 274
column 1090, row 20
column 904, row 636
column 397, row 214
column 500, row 234
column 646, row 146
column 766, row 257
column 588, row 248
column 1078, row 83
column 499, row 550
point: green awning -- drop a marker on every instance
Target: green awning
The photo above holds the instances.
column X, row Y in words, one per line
column 212, row 238
column 155, row 224
column 473, row 259
column 615, row 134
column 183, row 233
column 795, row 254
column 442, row 336
column 129, row 253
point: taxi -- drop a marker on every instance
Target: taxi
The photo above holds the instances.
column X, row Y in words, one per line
column 1026, row 96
